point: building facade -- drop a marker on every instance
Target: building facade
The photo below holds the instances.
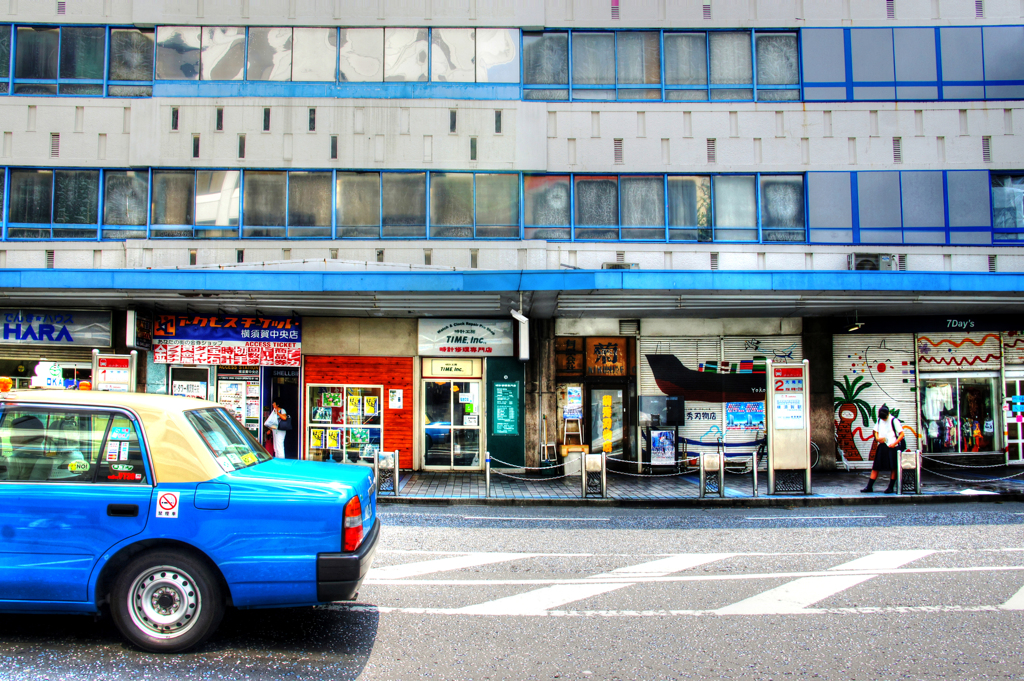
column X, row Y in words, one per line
column 671, row 191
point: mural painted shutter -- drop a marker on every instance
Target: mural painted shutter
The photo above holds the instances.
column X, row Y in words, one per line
column 961, row 351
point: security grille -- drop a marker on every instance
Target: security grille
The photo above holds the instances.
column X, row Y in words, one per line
column 49, row 260
column 54, row 144
column 986, row 149
column 714, row 261
column 897, row 150
column 991, row 263
column 712, row 152
column 959, row 351
column 615, row 9
column 629, row 327
column 618, row 152
column 890, row 9
column 62, row 7
column 902, row 262
column 979, row 9
column 707, row 11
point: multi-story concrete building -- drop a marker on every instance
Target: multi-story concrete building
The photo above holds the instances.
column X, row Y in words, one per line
column 670, row 191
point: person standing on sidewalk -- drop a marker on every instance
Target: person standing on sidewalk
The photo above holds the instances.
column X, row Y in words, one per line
column 888, row 433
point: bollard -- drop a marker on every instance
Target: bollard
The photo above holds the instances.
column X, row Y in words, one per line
column 487, row 476
column 395, row 471
column 754, row 471
column 604, row 476
column 376, row 470
column 910, row 461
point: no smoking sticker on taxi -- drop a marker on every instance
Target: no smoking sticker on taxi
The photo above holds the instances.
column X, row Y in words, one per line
column 167, row 505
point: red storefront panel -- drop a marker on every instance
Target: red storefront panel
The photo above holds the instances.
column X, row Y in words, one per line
column 394, row 373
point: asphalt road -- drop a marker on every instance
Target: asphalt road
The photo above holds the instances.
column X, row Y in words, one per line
column 921, row 592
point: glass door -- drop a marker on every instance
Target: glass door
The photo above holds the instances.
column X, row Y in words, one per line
column 1013, row 411
column 607, row 411
column 451, row 424
column 958, row 413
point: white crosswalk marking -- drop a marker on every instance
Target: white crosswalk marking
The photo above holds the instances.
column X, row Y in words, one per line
column 1016, row 602
column 797, row 595
column 666, row 566
column 426, row 567
column 537, row 601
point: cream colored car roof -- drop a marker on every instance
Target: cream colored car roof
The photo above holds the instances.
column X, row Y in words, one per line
column 178, row 453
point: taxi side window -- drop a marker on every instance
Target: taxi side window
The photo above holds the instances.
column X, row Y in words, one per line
column 121, row 458
column 50, row 445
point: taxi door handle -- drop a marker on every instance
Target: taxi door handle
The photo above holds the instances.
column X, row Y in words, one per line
column 123, row 510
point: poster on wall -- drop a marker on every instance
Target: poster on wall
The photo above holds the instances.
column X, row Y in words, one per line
column 466, row 337
column 747, row 416
column 573, row 402
column 663, row 447
column 193, row 389
column 395, row 399
column 789, row 412
column 223, row 339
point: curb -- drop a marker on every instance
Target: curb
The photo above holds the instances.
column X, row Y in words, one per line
column 749, row 502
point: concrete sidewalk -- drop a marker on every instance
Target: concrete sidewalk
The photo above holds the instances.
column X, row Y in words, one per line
column 827, row 488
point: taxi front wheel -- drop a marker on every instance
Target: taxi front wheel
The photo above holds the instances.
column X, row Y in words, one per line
column 166, row 601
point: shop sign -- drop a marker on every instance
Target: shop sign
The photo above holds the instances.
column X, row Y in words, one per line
column 450, row 337
column 606, row 356
column 66, row 328
column 193, row 389
column 48, row 375
column 222, row 339
column 506, row 408
column 462, row 368
column 924, row 324
column 569, row 359
column 139, row 330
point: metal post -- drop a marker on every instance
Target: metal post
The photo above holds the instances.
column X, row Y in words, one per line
column 917, row 472
column 701, row 475
column 753, row 472
column 376, row 470
column 133, row 371
column 583, row 475
column 604, row 476
column 394, row 471
column 487, row 476
column 899, row 472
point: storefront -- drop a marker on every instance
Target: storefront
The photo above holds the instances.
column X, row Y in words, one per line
column 595, row 393
column 705, row 393
column 1013, row 396
column 233, row 360
column 56, row 342
column 463, row 366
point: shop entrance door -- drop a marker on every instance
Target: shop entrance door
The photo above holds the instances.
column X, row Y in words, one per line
column 1013, row 412
column 451, row 425
column 607, row 420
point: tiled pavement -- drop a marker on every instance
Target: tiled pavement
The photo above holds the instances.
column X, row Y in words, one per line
column 426, row 485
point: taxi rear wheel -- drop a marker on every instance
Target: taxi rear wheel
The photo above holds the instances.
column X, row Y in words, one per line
column 166, row 601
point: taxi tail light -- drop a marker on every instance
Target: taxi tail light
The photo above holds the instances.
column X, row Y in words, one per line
column 352, row 535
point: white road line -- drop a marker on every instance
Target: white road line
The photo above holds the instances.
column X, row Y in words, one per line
column 426, row 567
column 495, row 517
column 812, row 517
column 1016, row 602
column 883, row 560
column 868, row 610
column 806, row 591
column 665, row 566
column 537, row 601
column 718, row 577
column 639, row 555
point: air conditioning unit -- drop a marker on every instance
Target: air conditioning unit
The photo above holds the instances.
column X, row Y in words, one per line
column 873, row 261
column 620, row 266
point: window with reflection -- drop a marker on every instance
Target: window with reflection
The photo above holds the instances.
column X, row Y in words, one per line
column 270, row 54
column 131, row 59
column 1008, row 207
column 222, row 56
column 217, row 203
column 81, row 58
column 686, row 66
column 173, row 202
column 177, row 52
column 546, row 63
column 637, row 63
column 358, row 205
column 689, row 208
column 732, row 68
column 593, row 65
column 361, row 55
column 76, row 196
column 314, row 51
column 777, row 65
column 642, row 206
column 597, row 207
column 497, row 55
column 451, row 205
column 497, row 205
column 125, row 198
column 405, row 54
column 404, row 199
column 782, row 208
column 309, row 204
column 453, row 55
column 265, row 199
column 36, row 59
column 547, row 206
column 30, row 200
column 5, row 56
column 735, row 208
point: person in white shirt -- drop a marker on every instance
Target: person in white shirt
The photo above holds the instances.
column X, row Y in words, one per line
column 273, row 422
column 888, row 434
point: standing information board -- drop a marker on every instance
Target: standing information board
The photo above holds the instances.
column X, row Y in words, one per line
column 114, row 373
column 788, row 418
column 506, row 408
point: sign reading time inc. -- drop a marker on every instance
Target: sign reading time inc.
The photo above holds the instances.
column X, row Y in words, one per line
column 465, row 338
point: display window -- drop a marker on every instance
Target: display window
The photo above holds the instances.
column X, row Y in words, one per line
column 344, row 423
column 958, row 413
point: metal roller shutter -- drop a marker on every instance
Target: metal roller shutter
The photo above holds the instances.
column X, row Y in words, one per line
column 1013, row 347
column 873, row 370
column 959, row 351
column 51, row 354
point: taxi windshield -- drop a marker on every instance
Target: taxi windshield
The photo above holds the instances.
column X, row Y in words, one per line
column 228, row 441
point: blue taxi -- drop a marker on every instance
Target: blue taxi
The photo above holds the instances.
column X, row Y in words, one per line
column 166, row 511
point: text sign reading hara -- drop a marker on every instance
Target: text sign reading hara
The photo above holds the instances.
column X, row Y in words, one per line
column 77, row 328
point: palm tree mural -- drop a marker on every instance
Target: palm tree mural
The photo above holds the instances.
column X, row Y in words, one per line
column 847, row 406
